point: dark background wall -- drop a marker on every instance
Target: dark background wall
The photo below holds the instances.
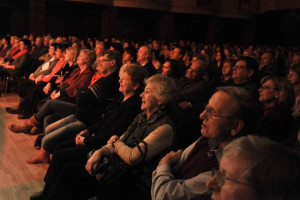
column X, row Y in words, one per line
column 105, row 21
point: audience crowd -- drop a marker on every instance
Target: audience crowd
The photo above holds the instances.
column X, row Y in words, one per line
column 157, row 120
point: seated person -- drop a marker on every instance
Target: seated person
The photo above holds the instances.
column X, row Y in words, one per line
column 277, row 98
column 294, row 78
column 14, row 41
column 89, row 101
column 140, row 147
column 115, row 119
column 5, row 46
column 144, row 58
column 254, row 168
column 244, row 74
column 26, row 85
column 28, row 105
column 19, row 63
column 171, row 68
column 226, row 77
column 192, row 88
column 183, row 174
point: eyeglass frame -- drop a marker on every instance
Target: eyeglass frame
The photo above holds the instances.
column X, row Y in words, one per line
column 210, row 113
column 235, row 67
column 220, row 178
column 105, row 60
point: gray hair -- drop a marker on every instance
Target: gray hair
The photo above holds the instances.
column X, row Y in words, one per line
column 149, row 51
column 137, row 74
column 91, row 56
column 245, row 110
column 271, row 169
column 165, row 87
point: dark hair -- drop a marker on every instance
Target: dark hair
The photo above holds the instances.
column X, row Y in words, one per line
column 137, row 74
column 230, row 60
column 296, row 68
column 175, row 66
column 54, row 45
column 61, row 46
column 26, row 42
column 182, row 50
column 114, row 55
column 117, row 47
column 251, row 63
column 131, row 51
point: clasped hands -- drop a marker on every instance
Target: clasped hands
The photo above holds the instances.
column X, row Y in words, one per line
column 171, row 158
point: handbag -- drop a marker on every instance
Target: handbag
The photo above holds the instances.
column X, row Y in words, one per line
column 111, row 167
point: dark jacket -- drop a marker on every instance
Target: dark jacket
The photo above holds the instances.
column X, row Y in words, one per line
column 117, row 117
column 92, row 101
column 278, row 124
column 150, row 68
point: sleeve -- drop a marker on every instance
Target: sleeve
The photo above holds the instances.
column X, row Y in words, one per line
column 78, row 84
column 117, row 127
column 157, row 141
column 22, row 63
column 44, row 72
column 166, row 187
column 55, row 70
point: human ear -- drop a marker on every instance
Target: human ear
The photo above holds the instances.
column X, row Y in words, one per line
column 136, row 86
column 250, row 73
column 237, row 126
column 113, row 62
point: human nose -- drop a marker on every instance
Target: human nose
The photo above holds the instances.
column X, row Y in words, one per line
column 142, row 94
column 202, row 115
column 212, row 184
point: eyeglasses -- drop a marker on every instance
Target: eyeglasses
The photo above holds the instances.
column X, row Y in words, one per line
column 104, row 60
column 210, row 113
column 238, row 67
column 220, row 178
column 267, row 88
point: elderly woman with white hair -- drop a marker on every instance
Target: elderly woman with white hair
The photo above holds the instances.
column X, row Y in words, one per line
column 147, row 139
column 255, row 168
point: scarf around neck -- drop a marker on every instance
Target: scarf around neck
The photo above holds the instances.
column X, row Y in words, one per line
column 20, row 53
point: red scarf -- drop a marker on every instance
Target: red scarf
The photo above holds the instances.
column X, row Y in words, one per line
column 20, row 53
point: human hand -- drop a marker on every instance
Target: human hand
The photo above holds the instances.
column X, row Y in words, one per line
column 296, row 108
column 184, row 105
column 171, row 158
column 93, row 162
column 79, row 140
column 47, row 88
column 110, row 141
column 59, row 79
column 84, row 132
column 55, row 95
column 31, row 77
column 38, row 79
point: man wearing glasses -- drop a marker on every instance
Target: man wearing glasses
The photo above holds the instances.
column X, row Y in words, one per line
column 183, row 174
column 244, row 74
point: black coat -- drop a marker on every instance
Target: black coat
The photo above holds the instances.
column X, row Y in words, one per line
column 278, row 124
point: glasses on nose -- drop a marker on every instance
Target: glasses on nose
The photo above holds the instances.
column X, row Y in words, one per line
column 267, row 88
column 220, row 178
column 210, row 113
column 238, row 67
column 104, row 60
